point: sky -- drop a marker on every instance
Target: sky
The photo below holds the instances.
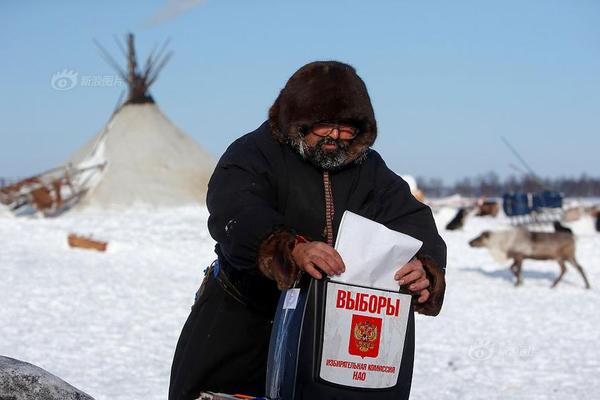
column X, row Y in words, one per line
column 447, row 79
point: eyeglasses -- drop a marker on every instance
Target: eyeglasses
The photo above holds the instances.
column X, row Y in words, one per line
column 324, row 129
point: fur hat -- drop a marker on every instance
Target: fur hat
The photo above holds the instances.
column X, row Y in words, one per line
column 324, row 91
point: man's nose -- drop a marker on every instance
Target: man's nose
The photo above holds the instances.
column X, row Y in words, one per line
column 335, row 133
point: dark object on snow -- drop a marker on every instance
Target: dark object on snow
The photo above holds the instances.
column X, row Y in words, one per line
column 23, row 381
column 488, row 208
column 458, row 221
column 558, row 227
column 598, row 222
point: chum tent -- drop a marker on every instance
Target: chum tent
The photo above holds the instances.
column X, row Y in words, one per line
column 139, row 157
column 147, row 158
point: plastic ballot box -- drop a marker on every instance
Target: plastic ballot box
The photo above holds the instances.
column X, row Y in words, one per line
column 334, row 340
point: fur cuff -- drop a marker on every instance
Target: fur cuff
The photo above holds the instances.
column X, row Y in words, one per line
column 275, row 259
column 437, row 287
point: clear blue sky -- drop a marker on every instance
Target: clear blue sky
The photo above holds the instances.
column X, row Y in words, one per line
column 447, row 78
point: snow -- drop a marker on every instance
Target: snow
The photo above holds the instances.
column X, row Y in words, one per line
column 108, row 323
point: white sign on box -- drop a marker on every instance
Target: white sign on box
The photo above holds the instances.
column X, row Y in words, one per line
column 363, row 336
column 365, row 327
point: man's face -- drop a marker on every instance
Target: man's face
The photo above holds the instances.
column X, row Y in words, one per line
column 327, row 144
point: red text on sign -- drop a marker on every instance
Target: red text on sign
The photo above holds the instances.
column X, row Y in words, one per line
column 366, row 302
column 359, row 376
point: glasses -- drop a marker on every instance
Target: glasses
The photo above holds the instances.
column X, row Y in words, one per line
column 325, row 129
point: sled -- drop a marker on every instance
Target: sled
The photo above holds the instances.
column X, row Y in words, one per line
column 541, row 208
column 50, row 193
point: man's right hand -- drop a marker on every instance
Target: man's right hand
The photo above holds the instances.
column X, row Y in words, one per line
column 312, row 255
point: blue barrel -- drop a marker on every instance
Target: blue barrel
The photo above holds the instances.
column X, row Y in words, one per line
column 515, row 204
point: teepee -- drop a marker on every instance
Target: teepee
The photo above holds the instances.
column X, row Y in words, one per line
column 144, row 157
column 140, row 157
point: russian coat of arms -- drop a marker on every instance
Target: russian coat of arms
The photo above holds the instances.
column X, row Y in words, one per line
column 364, row 336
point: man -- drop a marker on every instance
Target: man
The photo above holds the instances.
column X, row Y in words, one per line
column 276, row 199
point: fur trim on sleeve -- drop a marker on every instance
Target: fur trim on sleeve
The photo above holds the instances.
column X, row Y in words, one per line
column 275, row 259
column 437, row 287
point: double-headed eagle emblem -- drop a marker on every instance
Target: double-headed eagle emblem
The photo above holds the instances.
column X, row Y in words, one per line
column 365, row 335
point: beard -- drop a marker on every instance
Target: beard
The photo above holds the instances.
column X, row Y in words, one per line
column 317, row 156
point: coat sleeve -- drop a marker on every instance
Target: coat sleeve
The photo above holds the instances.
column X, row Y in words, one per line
column 242, row 202
column 399, row 210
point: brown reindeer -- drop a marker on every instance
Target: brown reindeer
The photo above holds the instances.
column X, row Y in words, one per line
column 487, row 208
column 520, row 244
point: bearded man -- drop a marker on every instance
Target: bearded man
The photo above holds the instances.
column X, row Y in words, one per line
column 276, row 199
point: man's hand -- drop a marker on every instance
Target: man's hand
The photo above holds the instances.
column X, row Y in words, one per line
column 312, row 255
column 413, row 276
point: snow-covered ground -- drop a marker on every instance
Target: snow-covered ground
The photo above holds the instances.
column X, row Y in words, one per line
column 108, row 322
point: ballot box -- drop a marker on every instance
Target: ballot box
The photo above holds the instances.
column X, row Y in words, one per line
column 335, row 340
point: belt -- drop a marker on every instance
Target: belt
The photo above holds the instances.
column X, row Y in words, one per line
column 221, row 277
column 214, row 271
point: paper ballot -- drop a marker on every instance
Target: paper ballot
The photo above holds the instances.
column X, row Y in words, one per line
column 371, row 252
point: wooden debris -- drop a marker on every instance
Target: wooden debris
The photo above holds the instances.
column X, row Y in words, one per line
column 86, row 243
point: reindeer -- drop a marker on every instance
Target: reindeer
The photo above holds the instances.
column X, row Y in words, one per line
column 520, row 244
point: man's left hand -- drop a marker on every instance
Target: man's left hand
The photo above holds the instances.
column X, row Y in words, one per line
column 412, row 275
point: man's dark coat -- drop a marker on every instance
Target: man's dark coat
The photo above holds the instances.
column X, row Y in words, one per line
column 261, row 195
column 261, row 186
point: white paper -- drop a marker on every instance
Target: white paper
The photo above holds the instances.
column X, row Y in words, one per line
column 291, row 299
column 371, row 252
